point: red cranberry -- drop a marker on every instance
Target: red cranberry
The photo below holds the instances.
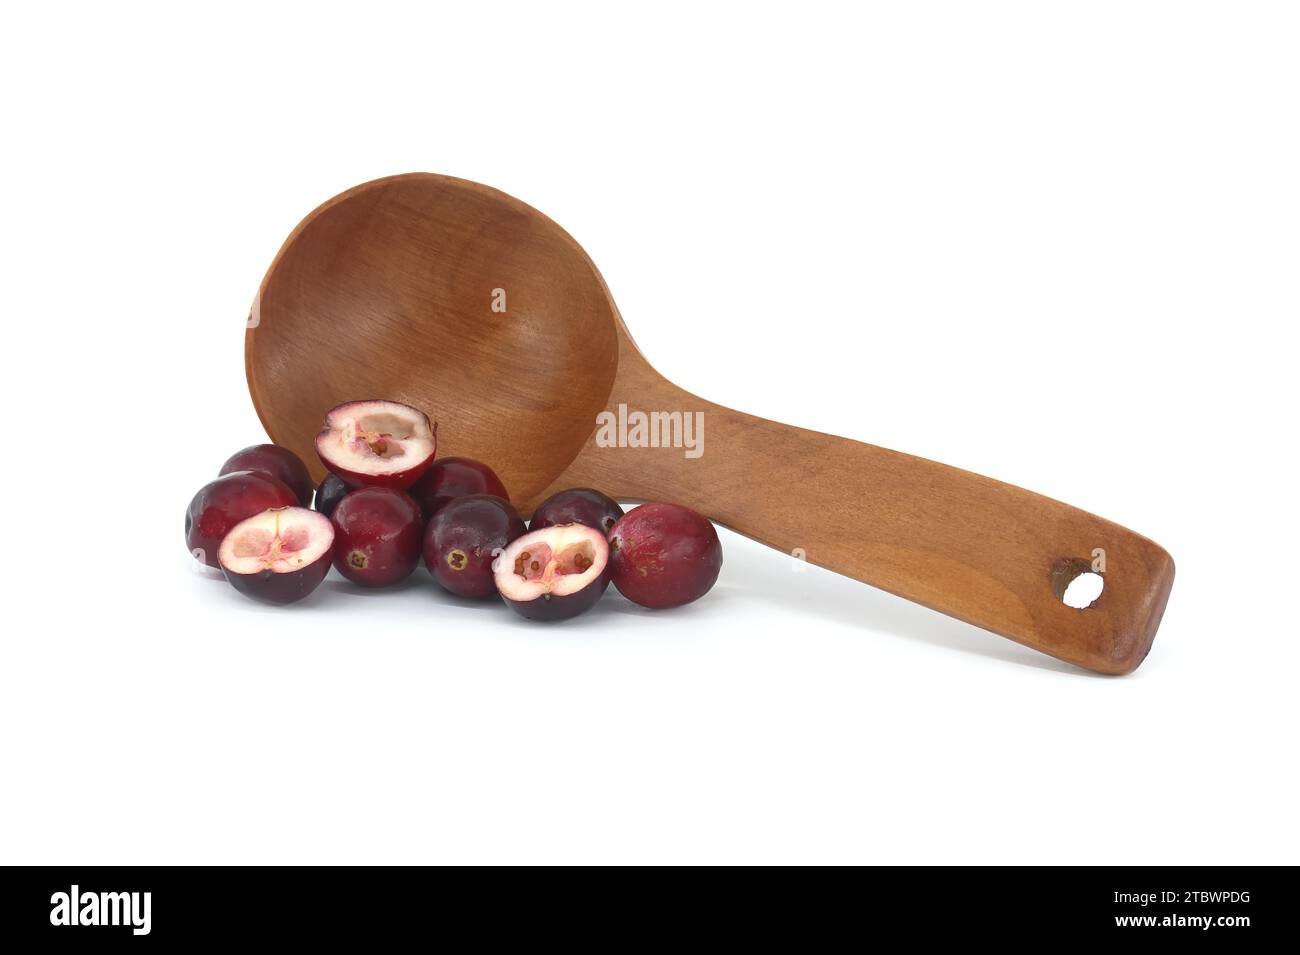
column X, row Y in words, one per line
column 450, row 478
column 554, row 573
column 377, row 443
column 276, row 461
column 463, row 540
column 223, row 503
column 664, row 555
column 278, row 556
column 578, row 505
column 377, row 533
column 332, row 490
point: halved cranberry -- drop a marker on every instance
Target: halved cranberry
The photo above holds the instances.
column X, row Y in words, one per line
column 554, row 573
column 278, row 556
column 377, row 443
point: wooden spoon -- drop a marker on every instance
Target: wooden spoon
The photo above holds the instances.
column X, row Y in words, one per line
column 392, row 290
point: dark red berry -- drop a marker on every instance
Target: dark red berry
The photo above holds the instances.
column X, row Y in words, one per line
column 377, row 533
column 276, row 461
column 578, row 505
column 450, row 478
column 664, row 555
column 332, row 490
column 464, row 539
column 221, row 504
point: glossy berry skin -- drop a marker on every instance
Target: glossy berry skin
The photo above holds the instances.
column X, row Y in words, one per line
column 276, row 461
column 281, row 589
column 553, row 609
column 377, row 534
column 578, row 505
column 332, row 490
column 664, row 555
column 221, row 504
column 450, row 478
column 464, row 538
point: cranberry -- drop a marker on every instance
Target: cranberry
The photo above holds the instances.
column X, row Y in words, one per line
column 276, row 461
column 450, row 478
column 278, row 556
column 377, row 443
column 464, row 539
column 664, row 555
column 554, row 573
column 377, row 534
column 332, row 490
column 578, row 505
column 221, row 504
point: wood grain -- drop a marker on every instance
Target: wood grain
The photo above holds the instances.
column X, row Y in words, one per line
column 385, row 291
column 968, row 546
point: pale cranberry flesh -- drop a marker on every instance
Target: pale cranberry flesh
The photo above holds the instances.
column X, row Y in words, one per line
column 377, row 443
column 279, row 556
column 554, row 573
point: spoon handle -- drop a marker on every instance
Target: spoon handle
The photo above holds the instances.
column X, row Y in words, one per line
column 991, row 554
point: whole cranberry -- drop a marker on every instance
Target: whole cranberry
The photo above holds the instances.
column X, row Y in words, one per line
column 465, row 537
column 578, row 505
column 377, row 533
column 221, row 504
column 276, row 461
column 450, row 478
column 664, row 555
column 332, row 490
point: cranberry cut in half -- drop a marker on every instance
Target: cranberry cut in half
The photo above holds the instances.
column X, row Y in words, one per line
column 377, row 534
column 332, row 490
column 377, row 443
column 278, row 556
column 554, row 573
column 450, row 478
column 276, row 461
column 664, row 555
column 221, row 504
column 577, row 505
column 464, row 539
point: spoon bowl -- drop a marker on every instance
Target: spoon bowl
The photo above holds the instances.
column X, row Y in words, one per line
column 388, row 291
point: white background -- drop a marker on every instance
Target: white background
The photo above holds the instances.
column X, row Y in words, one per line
column 1055, row 244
